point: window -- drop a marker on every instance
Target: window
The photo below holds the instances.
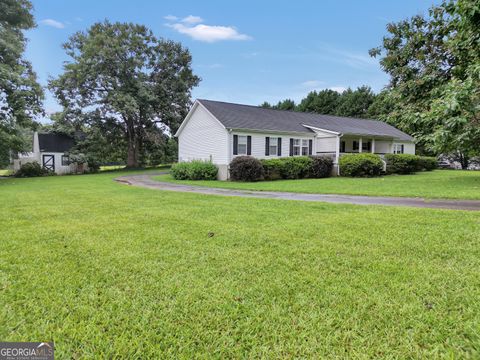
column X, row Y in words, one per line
column 398, row 148
column 296, row 147
column 342, row 146
column 355, row 145
column 366, row 146
column 273, row 148
column 65, row 160
column 242, row 145
column 304, row 147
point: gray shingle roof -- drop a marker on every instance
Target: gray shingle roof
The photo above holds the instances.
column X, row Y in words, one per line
column 52, row 142
column 237, row 116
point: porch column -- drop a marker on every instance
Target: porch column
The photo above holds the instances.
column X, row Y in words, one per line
column 360, row 145
column 337, row 154
column 373, row 146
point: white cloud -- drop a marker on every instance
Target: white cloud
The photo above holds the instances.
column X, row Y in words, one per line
column 53, row 23
column 190, row 19
column 309, row 84
column 338, row 89
column 209, row 33
column 171, row 18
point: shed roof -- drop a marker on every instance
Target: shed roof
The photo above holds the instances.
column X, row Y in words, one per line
column 53, row 142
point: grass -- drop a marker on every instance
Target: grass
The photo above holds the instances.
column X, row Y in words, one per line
column 446, row 184
column 109, row 168
column 112, row 271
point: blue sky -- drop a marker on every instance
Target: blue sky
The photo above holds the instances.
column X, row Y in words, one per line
column 244, row 51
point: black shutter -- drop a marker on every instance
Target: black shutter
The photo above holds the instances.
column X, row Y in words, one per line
column 403, row 148
column 267, row 146
column 249, row 145
column 291, row 147
column 279, row 147
column 310, row 146
column 235, row 144
column 355, row 145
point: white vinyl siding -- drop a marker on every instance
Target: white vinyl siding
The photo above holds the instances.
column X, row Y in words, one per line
column 203, row 138
column 383, row 146
column 325, row 143
column 258, row 143
column 408, row 148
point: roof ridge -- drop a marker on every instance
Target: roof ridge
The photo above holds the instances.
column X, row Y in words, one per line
column 291, row 111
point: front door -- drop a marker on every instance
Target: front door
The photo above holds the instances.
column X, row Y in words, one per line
column 49, row 162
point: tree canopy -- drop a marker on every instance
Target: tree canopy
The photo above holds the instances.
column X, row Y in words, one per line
column 322, row 102
column 20, row 94
column 353, row 103
column 122, row 78
column 434, row 67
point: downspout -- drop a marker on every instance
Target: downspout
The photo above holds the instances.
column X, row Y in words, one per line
column 337, row 154
column 229, row 152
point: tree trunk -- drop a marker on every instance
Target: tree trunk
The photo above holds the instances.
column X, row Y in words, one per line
column 464, row 162
column 132, row 154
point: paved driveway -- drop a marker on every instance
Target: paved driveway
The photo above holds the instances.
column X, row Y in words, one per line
column 146, row 181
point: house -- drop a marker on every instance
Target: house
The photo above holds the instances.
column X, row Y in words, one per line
column 219, row 131
column 51, row 151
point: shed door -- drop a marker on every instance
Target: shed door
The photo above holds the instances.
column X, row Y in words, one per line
column 49, row 162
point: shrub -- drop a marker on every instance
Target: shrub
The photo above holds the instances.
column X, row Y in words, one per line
column 272, row 169
column 295, row 167
column 194, row 170
column 321, row 167
column 402, row 163
column 246, row 168
column 428, row 163
column 358, row 165
column 32, row 169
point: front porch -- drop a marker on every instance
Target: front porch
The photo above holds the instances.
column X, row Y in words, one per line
column 341, row 145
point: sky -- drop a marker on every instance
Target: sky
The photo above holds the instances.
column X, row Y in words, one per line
column 244, row 51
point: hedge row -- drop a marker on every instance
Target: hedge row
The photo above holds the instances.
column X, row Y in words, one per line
column 408, row 164
column 194, row 170
column 247, row 168
column 368, row 165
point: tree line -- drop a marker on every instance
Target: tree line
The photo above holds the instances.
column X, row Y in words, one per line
column 352, row 103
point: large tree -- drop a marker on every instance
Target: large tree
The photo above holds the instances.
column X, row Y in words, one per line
column 121, row 75
column 434, row 67
column 20, row 94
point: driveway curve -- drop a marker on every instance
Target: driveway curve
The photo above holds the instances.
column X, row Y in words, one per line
column 146, row 181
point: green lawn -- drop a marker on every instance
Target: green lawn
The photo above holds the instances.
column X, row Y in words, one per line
column 122, row 167
column 446, row 184
column 108, row 270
